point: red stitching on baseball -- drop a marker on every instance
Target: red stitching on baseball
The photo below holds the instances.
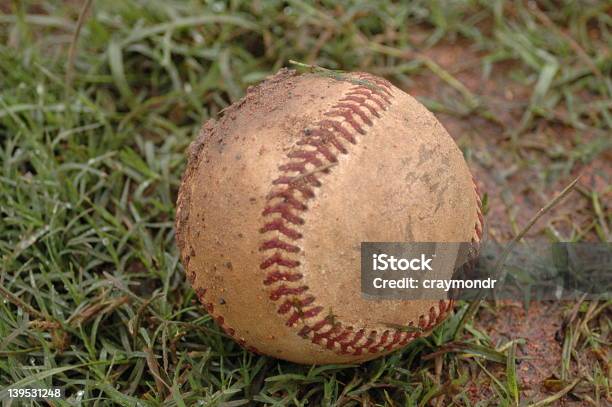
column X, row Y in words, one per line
column 383, row 84
column 284, row 209
column 279, row 226
column 362, row 103
column 382, row 340
column 310, row 157
column 284, row 290
column 276, row 276
column 396, row 338
column 321, row 324
column 326, row 136
column 295, row 303
column 369, row 95
column 339, row 338
column 298, row 182
column 210, row 308
column 279, row 244
column 304, row 331
column 278, row 259
column 288, row 198
column 360, row 334
column 321, row 148
column 349, row 117
column 321, row 143
column 337, row 126
column 301, row 315
column 318, row 337
column 356, row 110
column 409, row 337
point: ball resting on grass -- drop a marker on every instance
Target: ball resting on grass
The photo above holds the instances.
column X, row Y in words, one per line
column 280, row 192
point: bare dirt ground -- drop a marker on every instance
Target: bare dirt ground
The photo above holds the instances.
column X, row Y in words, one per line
column 512, row 180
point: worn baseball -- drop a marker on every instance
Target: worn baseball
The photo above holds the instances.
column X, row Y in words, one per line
column 281, row 190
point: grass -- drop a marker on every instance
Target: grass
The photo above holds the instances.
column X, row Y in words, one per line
column 93, row 131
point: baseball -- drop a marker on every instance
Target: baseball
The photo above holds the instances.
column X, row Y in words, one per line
column 281, row 190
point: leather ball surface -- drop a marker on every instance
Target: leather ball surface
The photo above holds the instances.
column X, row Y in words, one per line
column 281, row 190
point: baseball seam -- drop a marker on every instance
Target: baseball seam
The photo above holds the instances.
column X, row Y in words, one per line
column 343, row 340
column 292, row 190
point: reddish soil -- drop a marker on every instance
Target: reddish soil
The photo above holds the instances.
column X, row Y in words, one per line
column 516, row 189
